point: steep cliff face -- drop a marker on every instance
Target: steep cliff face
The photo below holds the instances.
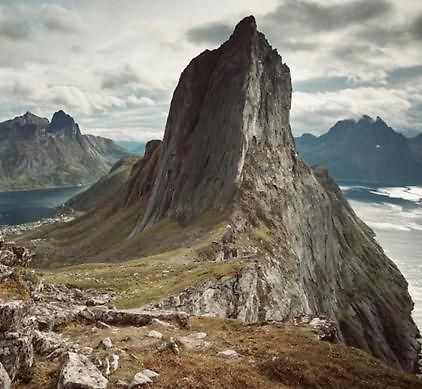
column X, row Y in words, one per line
column 35, row 153
column 217, row 112
column 228, row 148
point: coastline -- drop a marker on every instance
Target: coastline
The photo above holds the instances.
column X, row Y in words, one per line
column 45, row 188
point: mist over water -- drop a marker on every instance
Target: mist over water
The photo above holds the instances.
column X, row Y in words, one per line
column 395, row 215
column 32, row 205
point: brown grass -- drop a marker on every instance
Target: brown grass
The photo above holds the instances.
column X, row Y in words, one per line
column 13, row 289
column 273, row 356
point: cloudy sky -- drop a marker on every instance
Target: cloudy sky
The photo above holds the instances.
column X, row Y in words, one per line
column 113, row 65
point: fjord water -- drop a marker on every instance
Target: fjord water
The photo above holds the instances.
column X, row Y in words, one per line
column 28, row 206
column 395, row 215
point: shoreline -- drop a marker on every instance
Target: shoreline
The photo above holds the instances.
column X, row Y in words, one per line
column 19, row 229
column 44, row 188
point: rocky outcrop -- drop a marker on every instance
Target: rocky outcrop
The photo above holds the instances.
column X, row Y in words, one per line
column 35, row 153
column 13, row 255
column 228, row 148
column 140, row 317
column 5, row 381
column 79, row 372
column 16, row 351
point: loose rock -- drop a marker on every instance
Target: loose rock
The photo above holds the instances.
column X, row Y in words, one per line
column 5, row 381
column 155, row 334
column 79, row 372
column 106, row 344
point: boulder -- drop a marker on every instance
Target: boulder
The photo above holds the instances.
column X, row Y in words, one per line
column 13, row 255
column 141, row 318
column 169, row 344
column 46, row 342
column 12, row 315
column 230, row 354
column 195, row 341
column 155, row 334
column 4, row 378
column 79, row 372
column 149, row 373
column 114, row 364
column 16, row 354
column 105, row 344
column 325, row 329
column 139, row 380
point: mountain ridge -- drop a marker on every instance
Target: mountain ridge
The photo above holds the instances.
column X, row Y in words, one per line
column 365, row 150
column 36, row 153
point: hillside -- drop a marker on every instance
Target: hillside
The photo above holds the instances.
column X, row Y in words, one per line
column 36, row 153
column 366, row 150
column 105, row 187
column 224, row 218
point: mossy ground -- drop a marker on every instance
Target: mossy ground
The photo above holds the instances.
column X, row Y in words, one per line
column 144, row 280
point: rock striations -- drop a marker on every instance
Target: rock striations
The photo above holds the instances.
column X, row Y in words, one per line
column 227, row 102
column 228, row 148
column 35, row 153
column 228, row 169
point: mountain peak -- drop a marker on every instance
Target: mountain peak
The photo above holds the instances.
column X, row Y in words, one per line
column 27, row 119
column 366, row 119
column 220, row 110
column 246, row 27
column 63, row 124
column 61, row 120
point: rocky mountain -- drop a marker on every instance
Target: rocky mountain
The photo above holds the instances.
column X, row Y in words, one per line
column 225, row 218
column 105, row 188
column 36, row 153
column 366, row 150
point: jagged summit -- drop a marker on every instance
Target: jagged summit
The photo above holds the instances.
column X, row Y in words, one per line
column 64, row 124
column 227, row 100
column 35, row 153
column 28, row 121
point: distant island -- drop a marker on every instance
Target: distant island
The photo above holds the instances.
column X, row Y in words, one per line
column 36, row 153
column 366, row 150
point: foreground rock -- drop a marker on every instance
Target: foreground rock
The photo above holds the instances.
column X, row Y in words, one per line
column 16, row 350
column 13, row 255
column 141, row 317
column 79, row 372
column 4, row 378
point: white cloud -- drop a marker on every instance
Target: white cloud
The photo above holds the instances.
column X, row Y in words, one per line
column 114, row 65
column 316, row 112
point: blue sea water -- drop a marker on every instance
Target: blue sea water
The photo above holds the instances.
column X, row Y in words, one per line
column 395, row 215
column 28, row 206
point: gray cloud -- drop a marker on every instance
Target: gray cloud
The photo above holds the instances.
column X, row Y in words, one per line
column 12, row 27
column 319, row 17
column 347, row 57
column 118, row 78
column 417, row 27
column 56, row 18
column 210, row 33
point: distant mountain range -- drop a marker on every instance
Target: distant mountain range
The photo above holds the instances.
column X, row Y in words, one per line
column 37, row 153
column 366, row 150
column 135, row 147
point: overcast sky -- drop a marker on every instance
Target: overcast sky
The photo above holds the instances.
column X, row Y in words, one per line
column 113, row 65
